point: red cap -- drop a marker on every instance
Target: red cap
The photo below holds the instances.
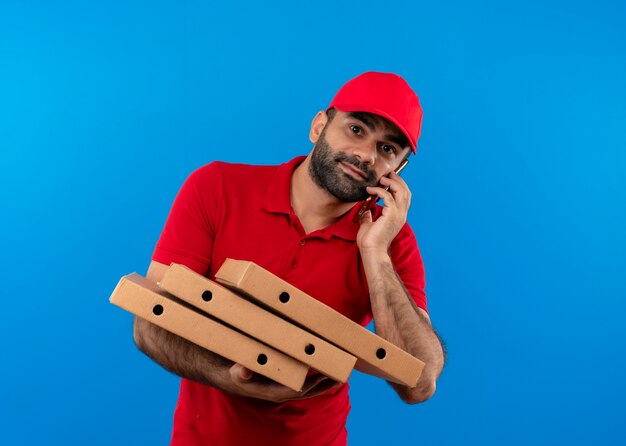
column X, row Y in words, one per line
column 386, row 95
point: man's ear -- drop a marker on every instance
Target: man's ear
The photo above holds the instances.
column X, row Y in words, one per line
column 317, row 126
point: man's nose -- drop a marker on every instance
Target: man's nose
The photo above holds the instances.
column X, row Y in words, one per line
column 366, row 152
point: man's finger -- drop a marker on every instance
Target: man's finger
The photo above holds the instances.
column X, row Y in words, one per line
column 399, row 189
column 241, row 373
column 396, row 184
column 382, row 194
column 245, row 373
column 394, row 176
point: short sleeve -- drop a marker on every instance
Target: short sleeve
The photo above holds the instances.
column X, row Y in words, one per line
column 408, row 263
column 189, row 231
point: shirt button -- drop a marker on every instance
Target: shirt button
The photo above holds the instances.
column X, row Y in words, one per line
column 302, row 242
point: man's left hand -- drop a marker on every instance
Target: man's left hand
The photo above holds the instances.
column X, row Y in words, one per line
column 377, row 235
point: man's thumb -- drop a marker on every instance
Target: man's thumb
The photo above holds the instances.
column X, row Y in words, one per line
column 245, row 374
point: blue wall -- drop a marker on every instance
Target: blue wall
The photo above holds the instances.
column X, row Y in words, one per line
column 519, row 199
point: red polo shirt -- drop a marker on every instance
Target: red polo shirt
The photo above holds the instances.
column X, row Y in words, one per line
column 244, row 212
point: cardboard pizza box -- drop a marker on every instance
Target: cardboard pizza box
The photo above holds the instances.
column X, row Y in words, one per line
column 375, row 355
column 267, row 327
column 144, row 298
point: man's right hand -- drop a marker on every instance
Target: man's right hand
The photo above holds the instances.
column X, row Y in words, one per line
column 246, row 383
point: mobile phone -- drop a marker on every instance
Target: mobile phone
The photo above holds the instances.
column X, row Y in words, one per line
column 369, row 201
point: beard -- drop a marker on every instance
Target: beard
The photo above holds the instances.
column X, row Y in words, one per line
column 326, row 173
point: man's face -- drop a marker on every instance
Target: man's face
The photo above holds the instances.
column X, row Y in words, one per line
column 353, row 151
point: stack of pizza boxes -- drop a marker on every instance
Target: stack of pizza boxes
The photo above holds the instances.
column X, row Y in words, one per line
column 258, row 320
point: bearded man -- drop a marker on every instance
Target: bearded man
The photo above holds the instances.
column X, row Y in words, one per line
column 300, row 220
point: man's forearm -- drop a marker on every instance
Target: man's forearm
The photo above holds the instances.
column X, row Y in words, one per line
column 190, row 361
column 180, row 356
column 398, row 319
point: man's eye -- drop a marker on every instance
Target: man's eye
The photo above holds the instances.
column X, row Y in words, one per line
column 355, row 129
column 388, row 149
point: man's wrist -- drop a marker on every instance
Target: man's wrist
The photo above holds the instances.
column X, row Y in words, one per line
column 374, row 256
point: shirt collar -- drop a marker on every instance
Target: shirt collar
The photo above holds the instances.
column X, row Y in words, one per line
column 278, row 200
column 278, row 195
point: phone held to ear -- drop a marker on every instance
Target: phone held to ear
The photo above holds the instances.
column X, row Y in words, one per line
column 369, row 201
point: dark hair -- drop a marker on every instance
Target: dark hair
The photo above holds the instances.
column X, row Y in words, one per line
column 331, row 114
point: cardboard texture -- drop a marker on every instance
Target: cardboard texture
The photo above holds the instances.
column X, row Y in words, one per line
column 259, row 323
column 144, row 298
column 376, row 356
